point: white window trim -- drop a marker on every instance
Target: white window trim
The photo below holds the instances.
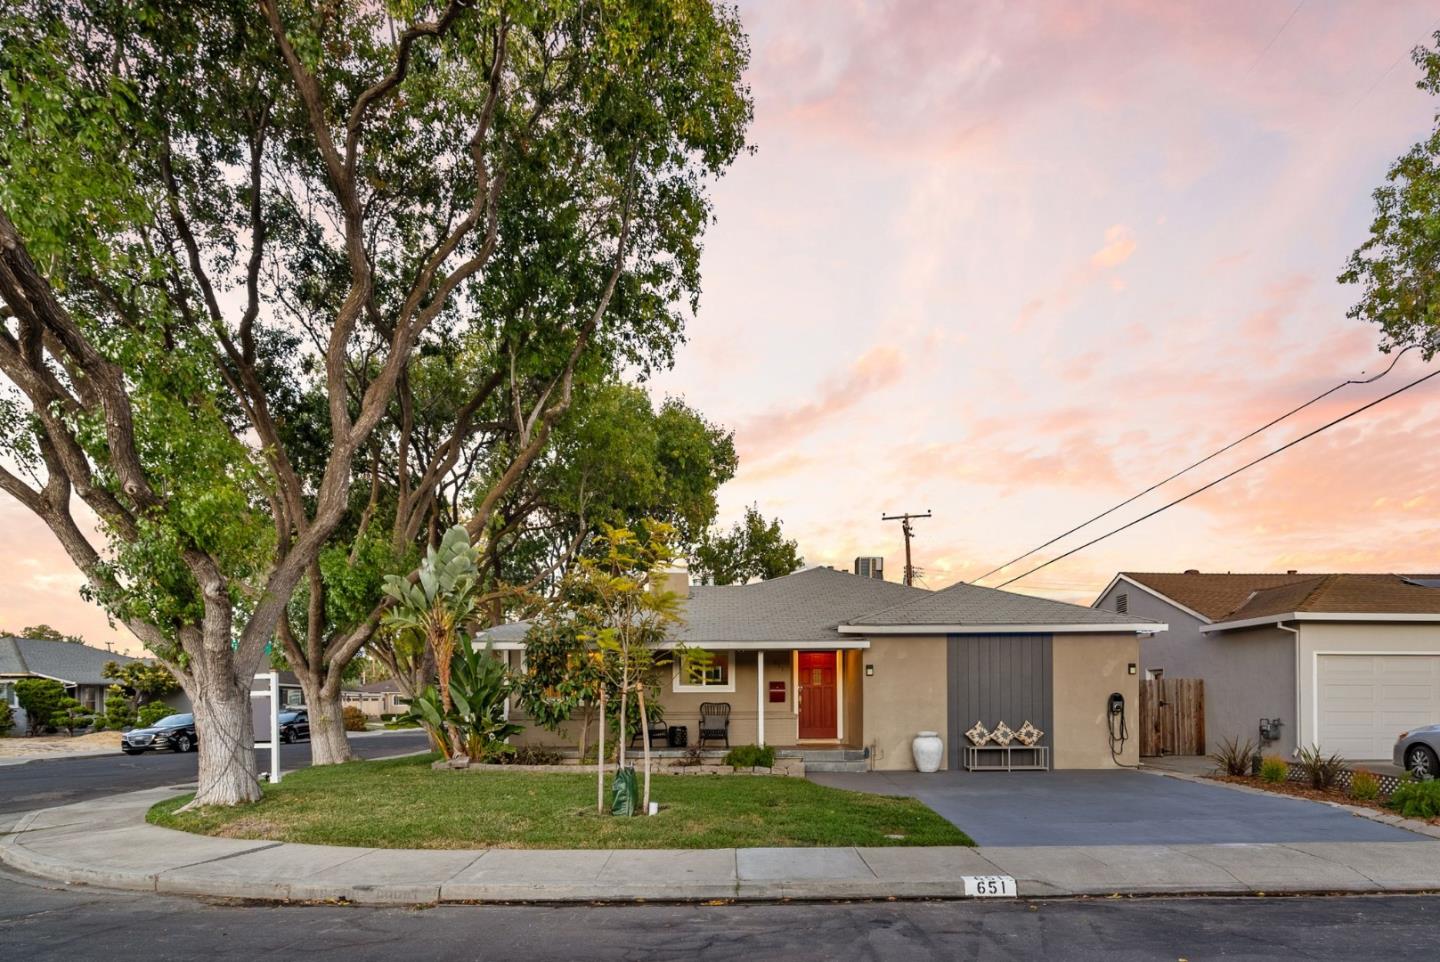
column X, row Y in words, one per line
column 680, row 688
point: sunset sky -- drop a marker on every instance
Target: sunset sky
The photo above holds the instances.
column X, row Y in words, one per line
column 1016, row 262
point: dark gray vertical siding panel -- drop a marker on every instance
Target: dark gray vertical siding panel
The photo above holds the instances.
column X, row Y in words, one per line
column 996, row 678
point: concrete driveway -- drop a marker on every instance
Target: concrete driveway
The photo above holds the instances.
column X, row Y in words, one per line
column 1114, row 808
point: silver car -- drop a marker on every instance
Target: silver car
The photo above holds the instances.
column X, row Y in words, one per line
column 1418, row 751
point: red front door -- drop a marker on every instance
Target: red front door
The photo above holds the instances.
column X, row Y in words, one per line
column 817, row 695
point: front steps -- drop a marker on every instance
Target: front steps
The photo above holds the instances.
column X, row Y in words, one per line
column 828, row 759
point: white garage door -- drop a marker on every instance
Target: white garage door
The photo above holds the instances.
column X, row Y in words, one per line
column 1366, row 700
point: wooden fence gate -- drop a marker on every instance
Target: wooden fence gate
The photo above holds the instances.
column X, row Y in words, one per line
column 1172, row 716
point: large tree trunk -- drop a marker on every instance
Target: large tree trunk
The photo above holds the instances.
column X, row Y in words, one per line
column 329, row 744
column 226, row 736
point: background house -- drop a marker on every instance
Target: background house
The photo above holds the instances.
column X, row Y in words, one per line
column 1345, row 661
column 376, row 699
column 77, row 667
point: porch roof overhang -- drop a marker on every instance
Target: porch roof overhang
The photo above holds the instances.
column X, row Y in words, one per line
column 1146, row 628
column 818, row 644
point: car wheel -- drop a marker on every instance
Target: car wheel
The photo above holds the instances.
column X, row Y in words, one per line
column 183, row 743
column 1422, row 763
column 286, row 736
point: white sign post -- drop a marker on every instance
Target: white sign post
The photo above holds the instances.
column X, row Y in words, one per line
column 272, row 693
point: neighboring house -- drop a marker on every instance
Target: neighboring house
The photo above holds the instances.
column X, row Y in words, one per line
column 824, row 659
column 1345, row 661
column 291, row 694
column 77, row 667
column 376, row 699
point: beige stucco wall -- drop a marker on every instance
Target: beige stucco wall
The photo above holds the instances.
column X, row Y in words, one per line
column 1318, row 637
column 905, row 695
column 1085, row 670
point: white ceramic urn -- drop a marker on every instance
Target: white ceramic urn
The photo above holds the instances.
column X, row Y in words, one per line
column 927, row 749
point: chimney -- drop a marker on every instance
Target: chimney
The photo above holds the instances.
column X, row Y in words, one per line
column 870, row 566
column 676, row 580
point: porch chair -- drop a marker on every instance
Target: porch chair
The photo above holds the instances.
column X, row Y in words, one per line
column 658, row 730
column 715, row 722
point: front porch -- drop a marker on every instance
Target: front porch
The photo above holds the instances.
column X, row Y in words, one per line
column 795, row 698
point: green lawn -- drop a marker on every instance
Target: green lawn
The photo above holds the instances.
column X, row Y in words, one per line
column 402, row 803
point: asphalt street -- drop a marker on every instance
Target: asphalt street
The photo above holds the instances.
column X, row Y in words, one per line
column 60, row 781
column 40, row 921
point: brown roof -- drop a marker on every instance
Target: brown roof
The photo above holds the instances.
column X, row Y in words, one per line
column 1235, row 597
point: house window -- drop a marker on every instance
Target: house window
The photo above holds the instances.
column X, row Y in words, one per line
column 718, row 675
column 1122, row 603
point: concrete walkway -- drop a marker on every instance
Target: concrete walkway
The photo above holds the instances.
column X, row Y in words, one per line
column 107, row 842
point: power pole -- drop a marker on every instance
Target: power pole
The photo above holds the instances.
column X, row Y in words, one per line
column 909, row 530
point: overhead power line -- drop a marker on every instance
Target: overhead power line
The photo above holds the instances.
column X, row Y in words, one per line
column 1225, row 477
column 1188, row 468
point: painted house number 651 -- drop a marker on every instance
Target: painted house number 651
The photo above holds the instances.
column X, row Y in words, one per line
column 990, row 886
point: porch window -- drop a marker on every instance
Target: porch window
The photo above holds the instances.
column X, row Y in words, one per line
column 719, row 675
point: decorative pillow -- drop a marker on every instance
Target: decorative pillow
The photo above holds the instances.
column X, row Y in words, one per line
column 978, row 735
column 1028, row 734
column 1002, row 734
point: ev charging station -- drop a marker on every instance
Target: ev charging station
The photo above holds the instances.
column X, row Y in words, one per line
column 272, row 692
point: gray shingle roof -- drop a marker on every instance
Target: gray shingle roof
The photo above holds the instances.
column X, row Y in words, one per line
column 808, row 606
column 71, row 663
column 804, row 606
column 966, row 604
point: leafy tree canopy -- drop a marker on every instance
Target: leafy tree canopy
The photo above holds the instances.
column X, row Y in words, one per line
column 752, row 548
column 1398, row 266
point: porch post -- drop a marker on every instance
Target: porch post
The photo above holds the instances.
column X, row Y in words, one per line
column 760, row 697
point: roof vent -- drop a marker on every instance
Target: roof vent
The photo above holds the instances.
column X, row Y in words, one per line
column 1292, row 571
column 1192, row 571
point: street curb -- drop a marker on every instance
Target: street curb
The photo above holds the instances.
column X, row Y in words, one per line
column 1384, row 818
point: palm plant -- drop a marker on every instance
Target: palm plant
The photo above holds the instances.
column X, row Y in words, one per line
column 479, row 684
column 435, row 605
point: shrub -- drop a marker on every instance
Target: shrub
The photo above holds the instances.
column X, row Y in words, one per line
column 530, row 755
column 7, row 718
column 152, row 713
column 354, row 718
column 40, row 697
column 119, row 712
column 751, row 756
column 71, row 716
column 1364, row 786
column 1274, row 770
column 1233, row 757
column 1417, row 799
column 1320, row 770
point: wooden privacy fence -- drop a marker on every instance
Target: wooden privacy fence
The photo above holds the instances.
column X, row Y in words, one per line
column 1172, row 716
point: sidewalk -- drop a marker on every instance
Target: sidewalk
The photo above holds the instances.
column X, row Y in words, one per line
column 107, row 843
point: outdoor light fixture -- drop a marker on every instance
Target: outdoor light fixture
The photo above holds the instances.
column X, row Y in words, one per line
column 1132, row 667
column 869, row 670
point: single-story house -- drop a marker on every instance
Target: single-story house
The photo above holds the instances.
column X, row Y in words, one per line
column 77, row 667
column 376, row 699
column 823, row 659
column 1344, row 661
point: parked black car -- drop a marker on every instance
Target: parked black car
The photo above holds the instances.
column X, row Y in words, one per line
column 175, row 732
column 294, row 725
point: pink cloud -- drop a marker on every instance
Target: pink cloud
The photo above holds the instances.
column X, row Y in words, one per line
column 878, row 368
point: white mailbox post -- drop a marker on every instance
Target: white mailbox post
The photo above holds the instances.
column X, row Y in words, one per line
column 272, row 693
